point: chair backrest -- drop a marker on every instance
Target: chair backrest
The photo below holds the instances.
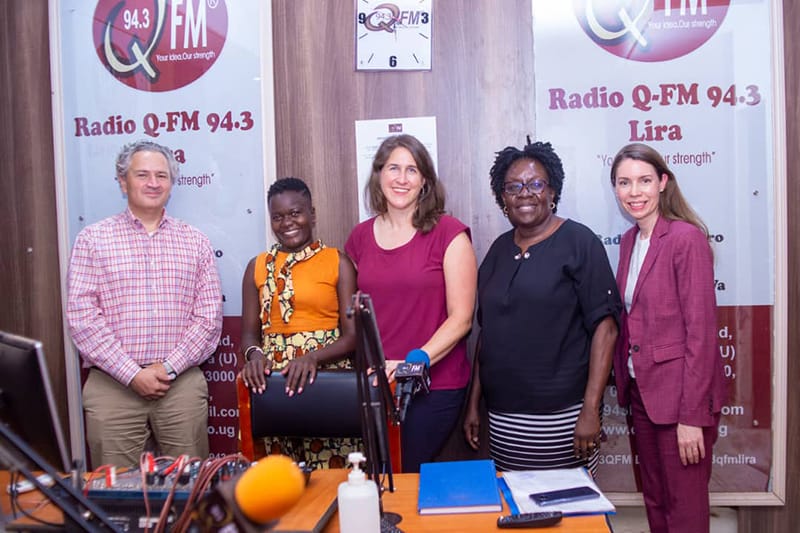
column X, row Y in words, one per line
column 329, row 408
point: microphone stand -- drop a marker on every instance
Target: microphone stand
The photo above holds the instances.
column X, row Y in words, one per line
column 374, row 410
column 85, row 513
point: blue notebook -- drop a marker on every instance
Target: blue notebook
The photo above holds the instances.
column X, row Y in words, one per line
column 458, row 487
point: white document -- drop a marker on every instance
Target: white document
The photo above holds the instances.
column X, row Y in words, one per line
column 371, row 133
column 525, row 482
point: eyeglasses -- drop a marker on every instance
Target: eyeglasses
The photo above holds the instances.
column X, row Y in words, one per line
column 534, row 186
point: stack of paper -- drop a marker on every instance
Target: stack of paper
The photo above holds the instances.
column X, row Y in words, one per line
column 526, row 482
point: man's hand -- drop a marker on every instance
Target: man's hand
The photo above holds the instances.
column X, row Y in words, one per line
column 151, row 382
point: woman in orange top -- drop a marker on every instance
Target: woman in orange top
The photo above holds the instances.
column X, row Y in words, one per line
column 294, row 302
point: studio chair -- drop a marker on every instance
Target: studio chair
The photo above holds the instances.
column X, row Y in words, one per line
column 328, row 408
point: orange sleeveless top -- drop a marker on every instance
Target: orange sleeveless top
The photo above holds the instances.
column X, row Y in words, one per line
column 316, row 305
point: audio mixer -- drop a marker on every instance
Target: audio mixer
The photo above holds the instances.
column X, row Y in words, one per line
column 136, row 498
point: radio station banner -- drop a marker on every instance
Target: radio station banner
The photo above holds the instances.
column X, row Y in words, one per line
column 692, row 79
column 185, row 74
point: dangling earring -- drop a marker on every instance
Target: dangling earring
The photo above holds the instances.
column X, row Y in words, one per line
column 505, row 211
column 552, row 205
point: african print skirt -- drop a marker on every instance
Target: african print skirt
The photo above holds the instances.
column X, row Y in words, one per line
column 315, row 452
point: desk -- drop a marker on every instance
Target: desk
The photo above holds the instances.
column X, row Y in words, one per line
column 319, row 501
column 33, row 502
column 404, row 502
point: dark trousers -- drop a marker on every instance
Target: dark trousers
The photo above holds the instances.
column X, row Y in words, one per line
column 429, row 422
column 675, row 496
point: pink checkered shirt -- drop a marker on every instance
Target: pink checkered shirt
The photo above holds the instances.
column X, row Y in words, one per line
column 137, row 299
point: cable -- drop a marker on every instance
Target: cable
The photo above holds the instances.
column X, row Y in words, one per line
column 146, row 471
column 206, row 477
column 163, row 517
column 17, row 508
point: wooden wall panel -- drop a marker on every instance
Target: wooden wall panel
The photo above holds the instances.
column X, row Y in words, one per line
column 30, row 288
column 480, row 89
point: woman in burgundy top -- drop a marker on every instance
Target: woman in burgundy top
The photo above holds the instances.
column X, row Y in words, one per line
column 418, row 266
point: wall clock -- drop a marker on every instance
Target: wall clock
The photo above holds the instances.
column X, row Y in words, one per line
column 394, row 35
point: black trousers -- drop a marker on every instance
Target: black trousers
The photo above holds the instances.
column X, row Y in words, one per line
column 429, row 422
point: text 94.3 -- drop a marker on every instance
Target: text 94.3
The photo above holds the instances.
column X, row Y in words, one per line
column 228, row 123
column 154, row 124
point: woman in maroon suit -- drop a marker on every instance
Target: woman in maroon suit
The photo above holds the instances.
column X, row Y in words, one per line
column 667, row 365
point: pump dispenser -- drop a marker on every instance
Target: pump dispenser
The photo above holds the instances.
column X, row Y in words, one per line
column 359, row 510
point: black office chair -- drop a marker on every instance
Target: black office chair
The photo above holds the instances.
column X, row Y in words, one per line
column 328, row 408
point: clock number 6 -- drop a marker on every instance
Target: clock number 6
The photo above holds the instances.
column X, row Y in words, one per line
column 392, row 61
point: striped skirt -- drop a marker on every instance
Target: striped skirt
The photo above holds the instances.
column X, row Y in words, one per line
column 520, row 441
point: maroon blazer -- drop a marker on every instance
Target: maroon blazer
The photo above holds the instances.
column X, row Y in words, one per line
column 671, row 329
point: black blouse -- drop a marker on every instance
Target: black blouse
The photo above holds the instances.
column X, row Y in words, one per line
column 538, row 311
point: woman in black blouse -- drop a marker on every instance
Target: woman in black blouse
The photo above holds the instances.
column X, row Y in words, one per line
column 548, row 311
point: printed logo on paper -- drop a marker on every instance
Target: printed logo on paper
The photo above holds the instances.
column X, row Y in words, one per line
column 159, row 45
column 650, row 30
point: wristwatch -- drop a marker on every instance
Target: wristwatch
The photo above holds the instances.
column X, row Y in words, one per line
column 170, row 371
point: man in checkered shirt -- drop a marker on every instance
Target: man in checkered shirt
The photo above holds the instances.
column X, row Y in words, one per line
column 144, row 309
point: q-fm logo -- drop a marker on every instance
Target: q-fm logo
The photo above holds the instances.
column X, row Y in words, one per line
column 159, row 45
column 388, row 17
column 650, row 30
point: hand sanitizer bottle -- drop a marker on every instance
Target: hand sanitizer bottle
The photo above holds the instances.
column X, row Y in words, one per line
column 359, row 510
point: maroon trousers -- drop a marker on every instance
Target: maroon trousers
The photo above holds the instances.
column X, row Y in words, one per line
column 675, row 496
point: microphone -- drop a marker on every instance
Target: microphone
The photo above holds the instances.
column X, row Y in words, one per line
column 260, row 495
column 412, row 376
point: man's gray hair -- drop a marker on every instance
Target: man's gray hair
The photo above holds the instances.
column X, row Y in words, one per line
column 126, row 154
